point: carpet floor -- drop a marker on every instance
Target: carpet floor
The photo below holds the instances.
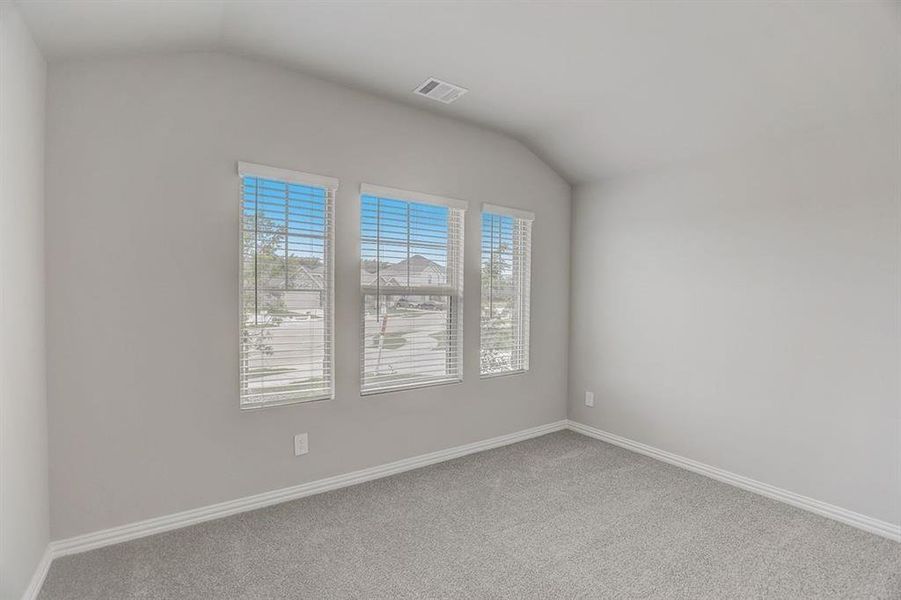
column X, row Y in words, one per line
column 560, row 516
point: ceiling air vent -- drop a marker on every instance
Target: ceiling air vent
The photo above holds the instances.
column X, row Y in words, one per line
column 441, row 91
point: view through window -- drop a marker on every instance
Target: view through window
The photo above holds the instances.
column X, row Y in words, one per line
column 506, row 266
column 286, row 295
column 412, row 285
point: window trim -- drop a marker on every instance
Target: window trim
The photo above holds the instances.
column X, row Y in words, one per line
column 413, row 197
column 330, row 184
column 389, row 193
column 507, row 211
column 516, row 213
column 246, row 169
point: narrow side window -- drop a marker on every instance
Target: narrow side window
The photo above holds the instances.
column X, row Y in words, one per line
column 286, row 323
column 506, row 273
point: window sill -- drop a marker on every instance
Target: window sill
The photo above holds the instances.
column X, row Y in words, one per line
column 411, row 386
column 284, row 401
column 503, row 374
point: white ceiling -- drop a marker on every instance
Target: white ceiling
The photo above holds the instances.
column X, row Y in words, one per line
column 594, row 88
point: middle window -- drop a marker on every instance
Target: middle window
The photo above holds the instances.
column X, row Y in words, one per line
column 411, row 247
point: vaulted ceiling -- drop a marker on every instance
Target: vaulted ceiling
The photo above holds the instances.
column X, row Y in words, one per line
column 594, row 88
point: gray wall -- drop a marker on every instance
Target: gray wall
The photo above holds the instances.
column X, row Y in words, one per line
column 24, row 512
column 142, row 215
column 743, row 311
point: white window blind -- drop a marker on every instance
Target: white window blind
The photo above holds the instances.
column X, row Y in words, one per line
column 506, row 268
column 286, row 286
column 412, row 286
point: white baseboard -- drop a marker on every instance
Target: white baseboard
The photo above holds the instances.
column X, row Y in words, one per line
column 140, row 529
column 882, row 528
column 40, row 573
column 186, row 518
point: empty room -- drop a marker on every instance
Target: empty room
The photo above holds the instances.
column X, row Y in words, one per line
column 428, row 300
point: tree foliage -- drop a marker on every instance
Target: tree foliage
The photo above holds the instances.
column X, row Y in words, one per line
column 497, row 317
column 265, row 266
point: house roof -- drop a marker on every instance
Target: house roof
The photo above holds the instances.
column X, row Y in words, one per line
column 421, row 271
column 415, row 265
column 301, row 277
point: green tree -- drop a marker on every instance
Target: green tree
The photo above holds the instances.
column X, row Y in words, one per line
column 497, row 323
column 265, row 279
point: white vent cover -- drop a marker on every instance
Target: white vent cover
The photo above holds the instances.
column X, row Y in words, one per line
column 441, row 91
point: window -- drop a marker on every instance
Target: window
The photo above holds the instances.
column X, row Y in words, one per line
column 412, row 286
column 506, row 267
column 286, row 286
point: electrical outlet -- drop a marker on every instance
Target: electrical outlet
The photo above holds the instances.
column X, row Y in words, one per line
column 589, row 398
column 301, row 444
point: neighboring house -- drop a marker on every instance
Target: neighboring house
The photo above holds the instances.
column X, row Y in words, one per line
column 412, row 272
column 303, row 289
column 309, row 278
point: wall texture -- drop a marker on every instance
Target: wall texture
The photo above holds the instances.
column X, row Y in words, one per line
column 24, row 512
column 743, row 311
column 142, row 218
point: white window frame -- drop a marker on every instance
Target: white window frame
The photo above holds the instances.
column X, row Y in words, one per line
column 522, row 269
column 454, row 245
column 330, row 185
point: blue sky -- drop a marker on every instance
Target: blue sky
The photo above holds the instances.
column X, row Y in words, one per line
column 392, row 221
column 304, row 207
column 497, row 231
column 386, row 220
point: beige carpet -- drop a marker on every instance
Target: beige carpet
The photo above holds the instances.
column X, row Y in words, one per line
column 561, row 516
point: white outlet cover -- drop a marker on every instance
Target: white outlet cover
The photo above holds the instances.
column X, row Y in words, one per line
column 589, row 398
column 301, row 444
